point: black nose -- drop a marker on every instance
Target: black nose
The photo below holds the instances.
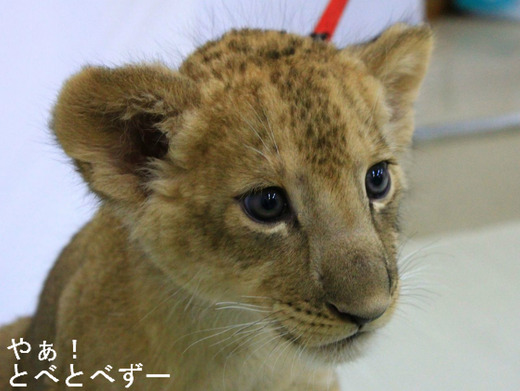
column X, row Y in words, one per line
column 360, row 321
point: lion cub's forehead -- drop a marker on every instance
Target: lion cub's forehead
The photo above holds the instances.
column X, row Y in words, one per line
column 311, row 98
column 237, row 50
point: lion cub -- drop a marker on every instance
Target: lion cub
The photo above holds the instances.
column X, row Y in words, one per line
column 246, row 236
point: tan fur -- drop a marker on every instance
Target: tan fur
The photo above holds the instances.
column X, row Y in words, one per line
column 171, row 273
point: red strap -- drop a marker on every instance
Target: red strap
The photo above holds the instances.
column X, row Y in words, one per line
column 330, row 18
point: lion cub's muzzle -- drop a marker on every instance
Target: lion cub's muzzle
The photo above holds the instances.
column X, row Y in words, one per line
column 352, row 292
column 357, row 290
column 356, row 277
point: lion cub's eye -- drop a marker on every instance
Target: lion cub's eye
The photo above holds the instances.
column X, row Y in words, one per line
column 377, row 181
column 267, row 206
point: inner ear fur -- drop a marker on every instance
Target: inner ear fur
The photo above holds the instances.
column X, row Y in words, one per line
column 399, row 58
column 112, row 122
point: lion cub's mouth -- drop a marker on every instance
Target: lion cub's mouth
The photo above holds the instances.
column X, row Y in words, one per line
column 323, row 343
column 342, row 343
column 323, row 334
column 334, row 345
column 333, row 351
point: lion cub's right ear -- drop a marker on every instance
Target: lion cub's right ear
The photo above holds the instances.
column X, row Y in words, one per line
column 112, row 122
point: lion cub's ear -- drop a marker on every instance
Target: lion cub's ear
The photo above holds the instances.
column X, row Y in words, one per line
column 113, row 121
column 399, row 59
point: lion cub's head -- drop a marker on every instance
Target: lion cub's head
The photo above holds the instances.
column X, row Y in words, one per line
column 265, row 171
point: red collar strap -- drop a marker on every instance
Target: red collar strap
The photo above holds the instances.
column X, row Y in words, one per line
column 329, row 20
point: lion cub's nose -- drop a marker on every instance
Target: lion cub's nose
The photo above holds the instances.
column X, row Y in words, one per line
column 354, row 278
column 356, row 290
column 359, row 320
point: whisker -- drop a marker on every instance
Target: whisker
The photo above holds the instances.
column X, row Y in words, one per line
column 194, row 294
column 253, row 129
column 405, row 262
column 243, row 332
column 263, row 321
column 232, row 352
column 257, row 151
column 171, row 296
column 236, row 307
column 273, row 338
column 271, row 132
column 239, row 303
column 229, row 328
column 282, row 351
column 204, row 339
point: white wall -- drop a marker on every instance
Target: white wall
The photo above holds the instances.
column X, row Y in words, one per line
column 42, row 201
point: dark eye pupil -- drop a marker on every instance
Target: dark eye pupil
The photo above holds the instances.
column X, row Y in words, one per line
column 270, row 201
column 377, row 177
column 267, row 205
column 377, row 181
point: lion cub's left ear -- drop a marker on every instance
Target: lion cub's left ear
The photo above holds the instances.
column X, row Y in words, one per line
column 112, row 122
column 399, row 59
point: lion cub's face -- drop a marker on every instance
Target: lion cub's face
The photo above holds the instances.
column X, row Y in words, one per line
column 265, row 172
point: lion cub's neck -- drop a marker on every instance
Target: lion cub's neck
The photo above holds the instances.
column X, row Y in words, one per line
column 166, row 328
